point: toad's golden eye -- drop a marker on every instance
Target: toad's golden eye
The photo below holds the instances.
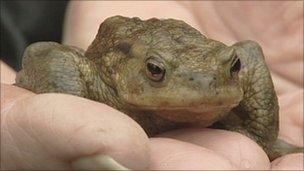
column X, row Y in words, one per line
column 155, row 70
column 235, row 67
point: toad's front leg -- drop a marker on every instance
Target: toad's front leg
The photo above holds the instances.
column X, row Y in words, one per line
column 49, row 67
column 258, row 112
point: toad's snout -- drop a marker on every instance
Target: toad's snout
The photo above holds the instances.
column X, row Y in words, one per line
column 199, row 81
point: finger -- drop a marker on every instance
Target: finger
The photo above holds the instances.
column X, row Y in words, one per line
column 288, row 162
column 283, row 85
column 291, row 117
column 170, row 154
column 7, row 73
column 244, row 153
column 291, row 70
column 53, row 131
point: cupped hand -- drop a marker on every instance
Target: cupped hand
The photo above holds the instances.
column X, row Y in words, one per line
column 52, row 131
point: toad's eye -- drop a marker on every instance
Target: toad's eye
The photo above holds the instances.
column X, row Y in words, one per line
column 155, row 70
column 235, row 67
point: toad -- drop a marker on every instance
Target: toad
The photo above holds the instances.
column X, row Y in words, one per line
column 165, row 75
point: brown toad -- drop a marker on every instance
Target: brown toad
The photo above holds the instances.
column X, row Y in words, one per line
column 164, row 74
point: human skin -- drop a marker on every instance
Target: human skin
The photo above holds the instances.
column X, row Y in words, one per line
column 165, row 153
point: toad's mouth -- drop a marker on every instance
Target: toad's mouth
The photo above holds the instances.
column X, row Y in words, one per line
column 183, row 105
column 204, row 113
column 197, row 108
column 192, row 103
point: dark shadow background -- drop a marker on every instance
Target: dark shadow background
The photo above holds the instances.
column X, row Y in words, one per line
column 24, row 22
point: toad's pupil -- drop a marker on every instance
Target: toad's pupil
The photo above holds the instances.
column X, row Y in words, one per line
column 154, row 69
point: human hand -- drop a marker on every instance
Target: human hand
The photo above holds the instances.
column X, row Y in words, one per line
column 49, row 131
column 272, row 24
column 57, row 131
column 180, row 154
column 52, row 130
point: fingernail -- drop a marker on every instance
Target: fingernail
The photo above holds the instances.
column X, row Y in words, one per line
column 97, row 162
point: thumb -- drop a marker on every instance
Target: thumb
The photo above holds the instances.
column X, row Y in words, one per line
column 57, row 131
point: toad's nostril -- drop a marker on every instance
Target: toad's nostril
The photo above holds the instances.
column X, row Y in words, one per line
column 199, row 80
